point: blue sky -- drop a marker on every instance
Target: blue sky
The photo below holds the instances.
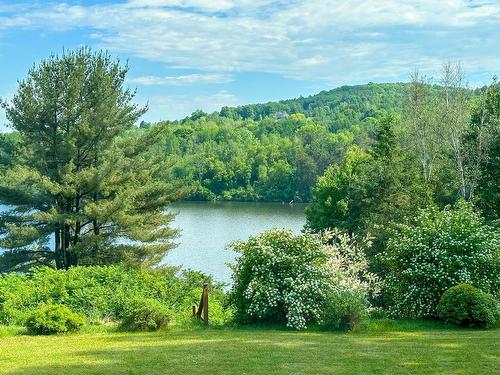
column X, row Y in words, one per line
column 190, row 54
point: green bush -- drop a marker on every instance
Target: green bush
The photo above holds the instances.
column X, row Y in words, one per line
column 467, row 306
column 144, row 314
column 279, row 279
column 438, row 250
column 286, row 279
column 49, row 319
column 243, row 194
column 101, row 292
column 345, row 311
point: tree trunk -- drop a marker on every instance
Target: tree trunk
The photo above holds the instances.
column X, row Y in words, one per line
column 57, row 247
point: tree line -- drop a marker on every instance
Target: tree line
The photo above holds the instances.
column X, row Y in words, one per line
column 274, row 151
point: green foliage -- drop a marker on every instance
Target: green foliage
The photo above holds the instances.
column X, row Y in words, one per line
column 338, row 195
column 9, row 144
column 467, row 306
column 286, row 279
column 440, row 249
column 440, row 147
column 83, row 175
column 368, row 190
column 339, row 108
column 144, row 314
column 486, row 129
column 104, row 293
column 274, row 151
column 345, row 310
column 49, row 319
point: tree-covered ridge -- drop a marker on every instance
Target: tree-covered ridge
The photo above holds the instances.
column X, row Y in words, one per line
column 276, row 151
column 271, row 159
column 339, row 108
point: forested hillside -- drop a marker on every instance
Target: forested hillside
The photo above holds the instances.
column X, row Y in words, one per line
column 275, row 151
column 338, row 108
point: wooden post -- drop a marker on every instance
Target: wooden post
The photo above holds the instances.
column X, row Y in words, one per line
column 201, row 311
column 205, row 303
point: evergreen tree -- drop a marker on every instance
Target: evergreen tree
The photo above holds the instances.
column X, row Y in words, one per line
column 83, row 178
column 485, row 132
column 9, row 143
column 369, row 189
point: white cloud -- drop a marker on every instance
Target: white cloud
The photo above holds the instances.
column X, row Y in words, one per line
column 183, row 80
column 334, row 41
column 312, row 61
column 212, row 5
column 170, row 107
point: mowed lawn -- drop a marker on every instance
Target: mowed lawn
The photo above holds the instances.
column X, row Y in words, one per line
column 254, row 351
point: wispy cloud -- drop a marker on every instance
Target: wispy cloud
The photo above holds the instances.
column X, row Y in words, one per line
column 182, row 80
column 212, row 5
column 334, row 41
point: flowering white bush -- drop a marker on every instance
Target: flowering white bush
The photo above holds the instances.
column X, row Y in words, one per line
column 350, row 283
column 282, row 278
column 347, row 265
column 440, row 250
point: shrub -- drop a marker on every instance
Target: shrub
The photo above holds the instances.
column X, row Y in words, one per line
column 49, row 319
column 286, row 279
column 144, row 314
column 201, row 193
column 439, row 250
column 245, row 194
column 16, row 299
column 465, row 305
column 345, row 310
column 101, row 292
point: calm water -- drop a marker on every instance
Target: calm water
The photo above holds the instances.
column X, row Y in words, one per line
column 206, row 229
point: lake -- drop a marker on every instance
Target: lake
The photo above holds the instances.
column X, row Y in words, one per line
column 207, row 227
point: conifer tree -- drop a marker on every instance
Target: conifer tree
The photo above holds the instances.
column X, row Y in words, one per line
column 84, row 175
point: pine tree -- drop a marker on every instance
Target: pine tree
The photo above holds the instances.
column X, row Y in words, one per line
column 84, row 176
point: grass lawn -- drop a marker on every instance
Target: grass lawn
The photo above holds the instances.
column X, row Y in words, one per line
column 385, row 349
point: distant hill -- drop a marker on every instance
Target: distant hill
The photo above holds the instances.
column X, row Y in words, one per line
column 339, row 108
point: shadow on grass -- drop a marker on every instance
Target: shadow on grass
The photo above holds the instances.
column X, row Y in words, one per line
column 253, row 350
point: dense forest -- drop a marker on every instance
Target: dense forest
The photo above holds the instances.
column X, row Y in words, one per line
column 267, row 152
column 275, row 151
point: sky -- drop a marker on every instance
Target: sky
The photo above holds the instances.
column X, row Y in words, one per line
column 204, row 54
